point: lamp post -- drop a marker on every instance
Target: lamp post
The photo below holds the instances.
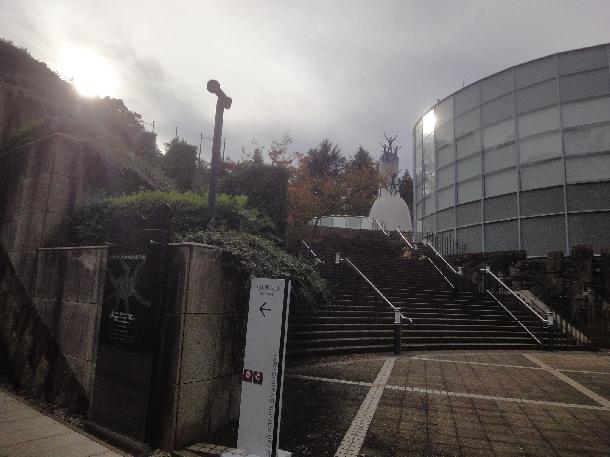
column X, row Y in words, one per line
column 223, row 102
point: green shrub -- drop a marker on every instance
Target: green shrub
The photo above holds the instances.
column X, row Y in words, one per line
column 260, row 257
column 92, row 222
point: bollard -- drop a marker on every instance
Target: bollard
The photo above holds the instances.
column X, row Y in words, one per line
column 397, row 331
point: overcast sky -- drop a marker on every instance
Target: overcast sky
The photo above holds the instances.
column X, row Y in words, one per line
column 344, row 70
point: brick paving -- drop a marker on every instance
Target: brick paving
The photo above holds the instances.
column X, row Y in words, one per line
column 472, row 404
column 25, row 432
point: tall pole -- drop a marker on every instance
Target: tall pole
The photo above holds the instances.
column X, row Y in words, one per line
column 223, row 102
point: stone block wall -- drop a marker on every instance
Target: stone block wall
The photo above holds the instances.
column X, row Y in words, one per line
column 34, row 358
column 203, row 346
column 40, row 183
column 67, row 292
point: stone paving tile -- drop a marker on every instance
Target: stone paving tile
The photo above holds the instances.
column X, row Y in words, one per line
column 598, row 383
column 492, row 357
column 586, row 361
column 25, row 432
column 316, row 415
column 411, row 423
column 362, row 371
column 485, row 380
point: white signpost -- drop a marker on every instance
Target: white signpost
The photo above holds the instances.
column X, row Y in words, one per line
column 263, row 375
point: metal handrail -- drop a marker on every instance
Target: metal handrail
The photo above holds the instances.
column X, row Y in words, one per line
column 394, row 308
column 537, row 313
column 441, row 273
column 439, row 255
column 405, row 238
column 318, row 259
column 514, row 317
column 381, row 227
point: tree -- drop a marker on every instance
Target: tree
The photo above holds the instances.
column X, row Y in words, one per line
column 326, row 183
column 325, row 160
column 280, row 156
column 147, row 148
column 362, row 159
column 180, row 164
column 405, row 189
column 266, row 187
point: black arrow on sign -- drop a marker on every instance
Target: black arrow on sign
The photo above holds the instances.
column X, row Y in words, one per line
column 262, row 309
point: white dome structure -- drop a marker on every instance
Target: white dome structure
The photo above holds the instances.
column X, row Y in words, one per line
column 389, row 205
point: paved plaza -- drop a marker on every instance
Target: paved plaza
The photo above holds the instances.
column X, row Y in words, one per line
column 449, row 404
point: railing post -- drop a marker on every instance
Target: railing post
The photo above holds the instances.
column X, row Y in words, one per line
column 550, row 325
column 397, row 331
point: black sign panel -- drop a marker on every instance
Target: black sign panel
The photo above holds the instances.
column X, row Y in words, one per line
column 129, row 334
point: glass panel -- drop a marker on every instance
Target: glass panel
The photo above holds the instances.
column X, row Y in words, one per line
column 591, row 168
column 592, row 139
column 470, row 239
column 541, row 235
column 499, row 133
column 469, row 168
column 466, row 123
column 354, row 222
column 418, row 133
column 496, row 159
column 470, row 190
column 586, row 112
column 497, row 110
column 444, row 135
column 429, row 205
column 418, row 191
column 339, row 222
column 445, row 219
column 445, row 198
column 540, row 147
column 590, row 228
column 544, row 174
column 538, row 121
column 584, row 85
column 500, row 183
column 501, row 236
column 543, row 201
column 582, row 60
column 496, row 85
column 445, row 176
column 445, row 156
column 537, row 96
column 466, row 99
column 469, row 213
column 428, row 164
column 326, row 222
column 428, row 224
column 419, row 211
column 534, row 72
column 468, row 145
column 428, row 184
column 444, row 111
column 503, row 207
column 591, row 196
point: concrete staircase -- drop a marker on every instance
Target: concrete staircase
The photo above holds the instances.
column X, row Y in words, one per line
column 356, row 320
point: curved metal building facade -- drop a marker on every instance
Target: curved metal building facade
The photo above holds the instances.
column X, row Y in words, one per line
column 520, row 159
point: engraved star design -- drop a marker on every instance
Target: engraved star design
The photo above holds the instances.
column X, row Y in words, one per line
column 125, row 287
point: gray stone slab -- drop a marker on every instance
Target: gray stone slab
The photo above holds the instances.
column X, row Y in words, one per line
column 84, row 277
column 205, row 293
column 76, row 329
column 198, row 347
column 193, row 418
column 20, row 436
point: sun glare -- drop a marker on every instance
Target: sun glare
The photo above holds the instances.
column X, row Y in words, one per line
column 429, row 122
column 90, row 73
